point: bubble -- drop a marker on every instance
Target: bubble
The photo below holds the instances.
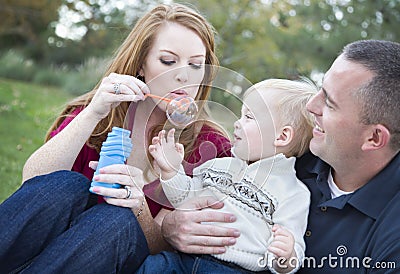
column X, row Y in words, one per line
column 181, row 111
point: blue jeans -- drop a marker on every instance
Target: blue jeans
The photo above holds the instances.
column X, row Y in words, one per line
column 176, row 262
column 48, row 226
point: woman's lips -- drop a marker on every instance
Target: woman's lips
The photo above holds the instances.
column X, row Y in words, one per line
column 177, row 93
column 180, row 92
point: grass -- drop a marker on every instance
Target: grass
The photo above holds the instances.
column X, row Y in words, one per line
column 26, row 112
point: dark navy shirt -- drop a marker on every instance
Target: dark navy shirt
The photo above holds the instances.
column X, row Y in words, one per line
column 353, row 233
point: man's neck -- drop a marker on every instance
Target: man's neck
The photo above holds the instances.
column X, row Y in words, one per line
column 352, row 176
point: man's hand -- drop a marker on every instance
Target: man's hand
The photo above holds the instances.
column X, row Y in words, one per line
column 183, row 227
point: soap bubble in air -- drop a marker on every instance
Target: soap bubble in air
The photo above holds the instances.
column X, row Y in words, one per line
column 181, row 111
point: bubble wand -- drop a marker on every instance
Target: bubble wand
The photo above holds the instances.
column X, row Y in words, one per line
column 157, row 97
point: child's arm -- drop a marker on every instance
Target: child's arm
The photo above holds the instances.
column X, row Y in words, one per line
column 282, row 246
column 167, row 154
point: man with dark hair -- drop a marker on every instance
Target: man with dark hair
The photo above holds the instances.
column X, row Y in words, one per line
column 353, row 224
column 353, row 221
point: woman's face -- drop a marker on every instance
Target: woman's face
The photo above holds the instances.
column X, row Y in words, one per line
column 175, row 64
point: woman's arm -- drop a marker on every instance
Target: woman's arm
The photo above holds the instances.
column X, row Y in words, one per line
column 152, row 230
column 61, row 151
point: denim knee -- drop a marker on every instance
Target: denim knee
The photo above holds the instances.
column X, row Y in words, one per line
column 121, row 235
column 58, row 186
column 118, row 221
column 38, row 212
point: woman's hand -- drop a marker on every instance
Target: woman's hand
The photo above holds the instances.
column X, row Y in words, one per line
column 132, row 182
column 183, row 228
column 113, row 90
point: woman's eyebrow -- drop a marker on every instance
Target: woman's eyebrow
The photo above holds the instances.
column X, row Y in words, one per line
column 169, row 51
column 173, row 53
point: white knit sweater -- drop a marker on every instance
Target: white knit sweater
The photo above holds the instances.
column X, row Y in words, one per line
column 261, row 194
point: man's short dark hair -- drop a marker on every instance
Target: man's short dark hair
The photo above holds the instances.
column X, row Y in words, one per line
column 380, row 98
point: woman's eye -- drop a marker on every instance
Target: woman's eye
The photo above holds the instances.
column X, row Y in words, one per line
column 248, row 116
column 195, row 66
column 167, row 62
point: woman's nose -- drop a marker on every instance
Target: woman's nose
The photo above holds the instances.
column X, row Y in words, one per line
column 182, row 74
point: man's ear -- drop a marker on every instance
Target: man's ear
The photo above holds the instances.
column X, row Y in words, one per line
column 377, row 137
column 285, row 136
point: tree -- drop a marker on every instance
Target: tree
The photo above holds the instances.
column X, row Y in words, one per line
column 25, row 23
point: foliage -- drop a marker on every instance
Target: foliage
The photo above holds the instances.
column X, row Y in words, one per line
column 75, row 80
column 84, row 77
column 260, row 39
column 14, row 66
column 26, row 113
column 319, row 29
column 26, row 23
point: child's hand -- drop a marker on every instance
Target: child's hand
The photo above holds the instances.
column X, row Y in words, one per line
column 167, row 154
column 282, row 247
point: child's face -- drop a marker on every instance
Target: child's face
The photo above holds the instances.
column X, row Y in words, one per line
column 254, row 132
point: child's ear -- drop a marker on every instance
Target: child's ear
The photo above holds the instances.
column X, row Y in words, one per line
column 285, row 136
column 378, row 136
column 140, row 75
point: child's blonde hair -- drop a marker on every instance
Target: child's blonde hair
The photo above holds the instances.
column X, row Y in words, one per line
column 291, row 108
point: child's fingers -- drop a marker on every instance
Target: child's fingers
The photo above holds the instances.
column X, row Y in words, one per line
column 281, row 238
column 155, row 140
column 280, row 230
column 153, row 151
column 277, row 251
column 275, row 227
column 171, row 136
column 161, row 135
column 180, row 148
column 282, row 245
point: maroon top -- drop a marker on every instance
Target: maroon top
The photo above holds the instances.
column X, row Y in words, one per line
column 209, row 144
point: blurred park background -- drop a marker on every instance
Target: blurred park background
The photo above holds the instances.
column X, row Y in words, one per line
column 54, row 50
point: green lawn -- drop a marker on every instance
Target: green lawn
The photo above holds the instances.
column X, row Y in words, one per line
column 26, row 112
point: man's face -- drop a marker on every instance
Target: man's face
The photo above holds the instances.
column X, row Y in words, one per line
column 339, row 134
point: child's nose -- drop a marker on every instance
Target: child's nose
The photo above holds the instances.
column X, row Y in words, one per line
column 236, row 124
